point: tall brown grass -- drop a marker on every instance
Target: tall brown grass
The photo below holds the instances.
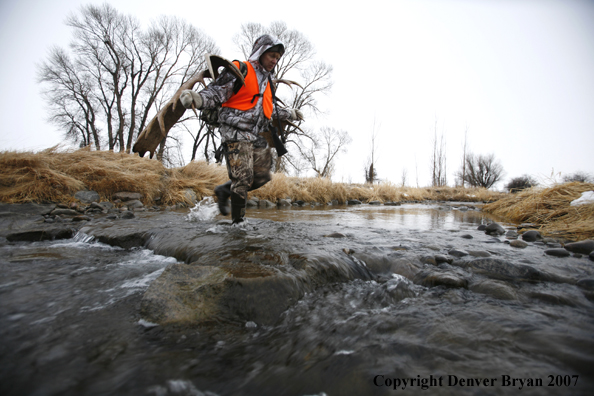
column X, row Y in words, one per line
column 549, row 210
column 54, row 175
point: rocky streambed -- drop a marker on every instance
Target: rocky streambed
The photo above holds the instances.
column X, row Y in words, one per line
column 304, row 300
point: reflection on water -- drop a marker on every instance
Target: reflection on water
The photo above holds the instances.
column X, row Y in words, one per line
column 408, row 216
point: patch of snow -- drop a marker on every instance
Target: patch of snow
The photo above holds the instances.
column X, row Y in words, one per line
column 586, row 198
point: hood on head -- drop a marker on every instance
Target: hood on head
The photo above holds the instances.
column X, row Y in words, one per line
column 263, row 44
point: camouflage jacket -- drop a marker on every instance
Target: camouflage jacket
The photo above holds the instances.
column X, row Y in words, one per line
column 238, row 125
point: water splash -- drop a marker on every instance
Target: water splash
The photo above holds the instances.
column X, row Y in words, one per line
column 204, row 210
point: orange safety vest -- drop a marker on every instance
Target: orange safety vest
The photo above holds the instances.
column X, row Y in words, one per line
column 246, row 98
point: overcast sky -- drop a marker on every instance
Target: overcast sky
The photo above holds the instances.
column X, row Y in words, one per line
column 518, row 75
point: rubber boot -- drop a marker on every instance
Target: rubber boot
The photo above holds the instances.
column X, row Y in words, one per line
column 223, row 192
column 237, row 208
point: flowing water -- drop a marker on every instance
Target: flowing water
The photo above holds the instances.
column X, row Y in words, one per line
column 70, row 321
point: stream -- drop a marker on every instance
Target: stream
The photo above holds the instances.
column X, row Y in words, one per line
column 70, row 321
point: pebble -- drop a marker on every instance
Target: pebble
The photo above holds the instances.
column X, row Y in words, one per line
column 583, row 247
column 531, row 236
column 557, row 252
column 511, row 234
column 127, row 215
column 518, row 244
column 494, row 229
column 440, row 258
column 335, row 235
column 458, row 253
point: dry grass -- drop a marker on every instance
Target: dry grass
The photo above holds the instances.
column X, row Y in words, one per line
column 54, row 176
column 549, row 209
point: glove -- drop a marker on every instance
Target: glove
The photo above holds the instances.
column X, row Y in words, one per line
column 296, row 115
column 188, row 97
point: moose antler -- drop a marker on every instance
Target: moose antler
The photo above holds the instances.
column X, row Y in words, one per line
column 157, row 129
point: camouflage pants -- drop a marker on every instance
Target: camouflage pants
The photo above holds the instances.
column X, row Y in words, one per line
column 248, row 167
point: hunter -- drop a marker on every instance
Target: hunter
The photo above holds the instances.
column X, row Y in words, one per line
column 243, row 117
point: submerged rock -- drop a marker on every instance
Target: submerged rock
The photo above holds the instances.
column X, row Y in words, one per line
column 437, row 277
column 441, row 258
column 335, row 235
column 458, row 253
column 48, row 233
column 505, row 270
column 587, row 284
column 386, row 264
column 495, row 289
column 186, row 294
column 479, row 253
column 248, row 285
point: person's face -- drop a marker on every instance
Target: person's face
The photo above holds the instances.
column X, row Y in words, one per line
column 269, row 60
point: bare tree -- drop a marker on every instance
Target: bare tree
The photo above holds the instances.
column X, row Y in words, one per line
column 482, row 170
column 464, row 157
column 370, row 169
column 579, row 176
column 71, row 99
column 520, row 183
column 438, row 160
column 403, row 177
column 320, row 154
column 118, row 75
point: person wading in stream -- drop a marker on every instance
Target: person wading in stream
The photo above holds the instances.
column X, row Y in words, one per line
column 244, row 115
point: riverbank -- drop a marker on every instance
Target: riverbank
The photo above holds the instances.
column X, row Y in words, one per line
column 56, row 176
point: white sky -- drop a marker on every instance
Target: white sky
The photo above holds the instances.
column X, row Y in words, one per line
column 519, row 74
